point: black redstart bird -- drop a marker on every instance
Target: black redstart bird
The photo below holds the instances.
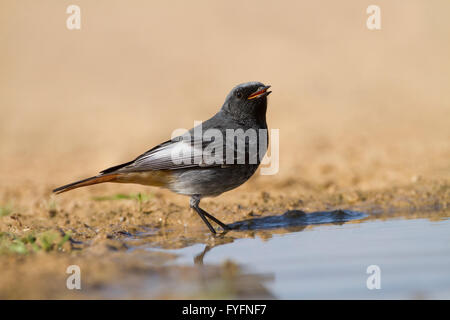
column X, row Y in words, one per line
column 180, row 164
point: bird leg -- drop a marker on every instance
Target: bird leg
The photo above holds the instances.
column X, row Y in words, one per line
column 205, row 220
column 194, row 203
column 220, row 223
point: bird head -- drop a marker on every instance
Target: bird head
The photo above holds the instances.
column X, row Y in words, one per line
column 247, row 102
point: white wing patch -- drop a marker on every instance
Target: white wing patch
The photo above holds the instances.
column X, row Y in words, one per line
column 174, row 155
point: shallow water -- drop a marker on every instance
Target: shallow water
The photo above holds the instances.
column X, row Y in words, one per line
column 331, row 261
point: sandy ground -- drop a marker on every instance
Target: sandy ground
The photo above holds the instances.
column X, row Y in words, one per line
column 363, row 119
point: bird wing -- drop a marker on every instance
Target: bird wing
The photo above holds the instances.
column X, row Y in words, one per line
column 170, row 155
column 191, row 151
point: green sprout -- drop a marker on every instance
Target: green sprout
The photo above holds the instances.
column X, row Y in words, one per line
column 5, row 210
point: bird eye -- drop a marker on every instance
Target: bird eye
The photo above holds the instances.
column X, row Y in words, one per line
column 239, row 94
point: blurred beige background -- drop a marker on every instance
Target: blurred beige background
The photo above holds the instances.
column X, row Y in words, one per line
column 354, row 106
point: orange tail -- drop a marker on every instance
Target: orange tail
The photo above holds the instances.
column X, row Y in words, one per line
column 86, row 182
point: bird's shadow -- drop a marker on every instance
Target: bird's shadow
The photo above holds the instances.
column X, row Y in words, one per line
column 290, row 221
column 297, row 218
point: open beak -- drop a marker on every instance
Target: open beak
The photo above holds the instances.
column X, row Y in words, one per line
column 261, row 92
